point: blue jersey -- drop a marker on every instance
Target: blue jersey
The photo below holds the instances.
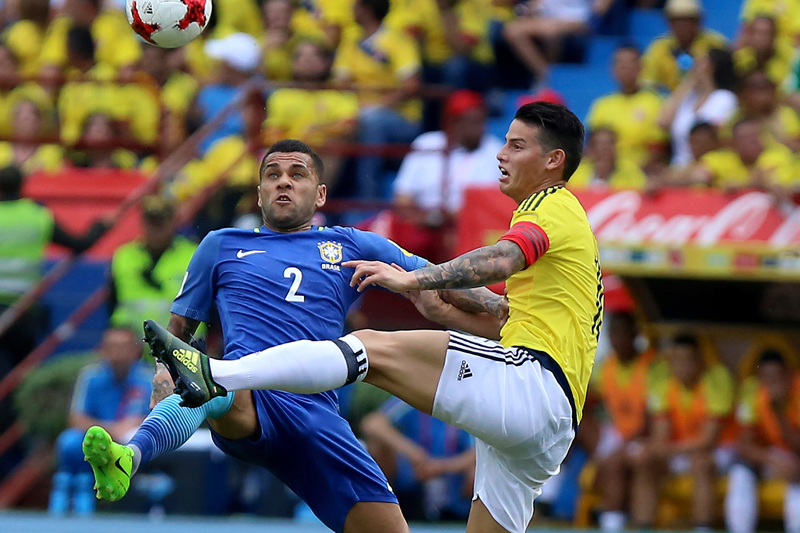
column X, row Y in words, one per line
column 271, row 288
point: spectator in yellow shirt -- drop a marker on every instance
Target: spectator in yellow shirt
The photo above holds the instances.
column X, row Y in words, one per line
column 748, row 163
column 131, row 105
column 386, row 61
column 454, row 37
column 314, row 116
column 632, row 112
column 758, row 99
column 325, row 19
column 761, row 50
column 234, row 16
column 602, row 168
column 25, row 36
column 279, row 40
column 786, row 12
column 692, row 433
column 703, row 139
column 117, row 46
column 669, row 58
column 98, row 145
column 26, row 151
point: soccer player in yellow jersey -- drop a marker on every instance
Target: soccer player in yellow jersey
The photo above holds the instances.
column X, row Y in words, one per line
column 519, row 383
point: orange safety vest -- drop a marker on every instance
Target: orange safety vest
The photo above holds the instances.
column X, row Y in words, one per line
column 687, row 423
column 626, row 403
column 767, row 426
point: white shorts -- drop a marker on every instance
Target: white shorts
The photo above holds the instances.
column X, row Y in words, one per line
column 512, row 402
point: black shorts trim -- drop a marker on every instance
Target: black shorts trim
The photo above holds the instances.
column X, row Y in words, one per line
column 516, row 356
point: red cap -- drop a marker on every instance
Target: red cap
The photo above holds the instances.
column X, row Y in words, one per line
column 542, row 95
column 462, row 101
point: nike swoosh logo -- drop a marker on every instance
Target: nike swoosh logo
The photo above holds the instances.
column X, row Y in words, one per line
column 241, row 253
column 120, row 467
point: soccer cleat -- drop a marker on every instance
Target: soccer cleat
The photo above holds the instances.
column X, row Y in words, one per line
column 187, row 366
column 111, row 463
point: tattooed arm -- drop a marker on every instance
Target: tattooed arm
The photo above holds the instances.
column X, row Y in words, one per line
column 478, row 268
column 183, row 328
column 477, row 300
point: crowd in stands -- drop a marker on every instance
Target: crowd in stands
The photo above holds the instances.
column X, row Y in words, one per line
column 364, row 81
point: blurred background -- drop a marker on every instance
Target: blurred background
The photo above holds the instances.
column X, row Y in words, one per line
column 117, row 157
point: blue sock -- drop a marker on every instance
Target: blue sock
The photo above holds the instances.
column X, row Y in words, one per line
column 169, row 425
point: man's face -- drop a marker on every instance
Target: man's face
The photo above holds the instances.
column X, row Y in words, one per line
column 278, row 14
column 159, row 232
column 759, row 94
column 626, row 66
column 120, row 348
column 686, row 363
column 701, row 142
column 762, row 34
column 747, row 141
column 775, row 378
column 290, row 191
column 309, row 64
column 622, row 334
column 523, row 161
column 603, row 147
column 685, row 29
column 27, row 120
column 469, row 127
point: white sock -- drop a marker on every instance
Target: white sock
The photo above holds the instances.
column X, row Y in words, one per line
column 791, row 509
column 612, row 521
column 741, row 502
column 303, row 367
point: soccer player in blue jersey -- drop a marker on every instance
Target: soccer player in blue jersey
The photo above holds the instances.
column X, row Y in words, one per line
column 279, row 283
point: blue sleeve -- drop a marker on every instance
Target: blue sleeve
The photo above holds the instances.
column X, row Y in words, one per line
column 196, row 295
column 373, row 247
column 465, row 441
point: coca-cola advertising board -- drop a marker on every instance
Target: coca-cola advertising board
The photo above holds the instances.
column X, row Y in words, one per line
column 674, row 233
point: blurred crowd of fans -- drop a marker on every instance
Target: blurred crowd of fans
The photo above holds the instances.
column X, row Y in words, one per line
column 362, row 80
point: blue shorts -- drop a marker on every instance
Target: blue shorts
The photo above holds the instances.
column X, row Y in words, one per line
column 306, row 443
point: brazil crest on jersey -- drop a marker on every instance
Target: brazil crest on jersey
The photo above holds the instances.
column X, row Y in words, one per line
column 271, row 288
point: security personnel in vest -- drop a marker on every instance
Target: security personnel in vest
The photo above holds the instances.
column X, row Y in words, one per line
column 26, row 228
column 146, row 273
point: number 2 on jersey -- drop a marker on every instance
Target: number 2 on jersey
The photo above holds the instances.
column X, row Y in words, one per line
column 297, row 278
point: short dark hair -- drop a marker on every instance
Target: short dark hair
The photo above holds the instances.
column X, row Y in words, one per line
column 80, row 41
column 293, row 145
column 771, row 355
column 379, row 8
column 724, row 69
column 559, row 129
column 11, row 178
column 686, row 339
column 630, row 46
column 703, row 126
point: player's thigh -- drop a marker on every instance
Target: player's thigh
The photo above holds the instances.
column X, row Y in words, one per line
column 407, row 364
column 481, row 521
column 241, row 420
column 375, row 517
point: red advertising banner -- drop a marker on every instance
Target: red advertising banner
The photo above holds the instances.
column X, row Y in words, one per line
column 676, row 233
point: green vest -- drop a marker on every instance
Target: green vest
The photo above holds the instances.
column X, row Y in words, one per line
column 137, row 299
column 26, row 228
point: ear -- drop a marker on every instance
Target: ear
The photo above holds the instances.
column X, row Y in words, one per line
column 258, row 194
column 322, row 195
column 556, row 158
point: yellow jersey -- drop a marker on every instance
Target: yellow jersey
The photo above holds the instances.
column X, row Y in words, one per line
column 115, row 44
column 24, row 38
column 786, row 12
column 778, row 67
column 47, row 157
column 311, row 116
column 783, row 125
column 555, row 305
column 727, row 167
column 237, row 16
column 626, row 175
column 659, row 64
column 634, row 118
column 385, row 59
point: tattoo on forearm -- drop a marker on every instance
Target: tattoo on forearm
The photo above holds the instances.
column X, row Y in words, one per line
column 182, row 327
column 481, row 267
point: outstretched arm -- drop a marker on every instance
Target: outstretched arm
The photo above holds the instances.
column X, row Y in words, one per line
column 478, row 268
